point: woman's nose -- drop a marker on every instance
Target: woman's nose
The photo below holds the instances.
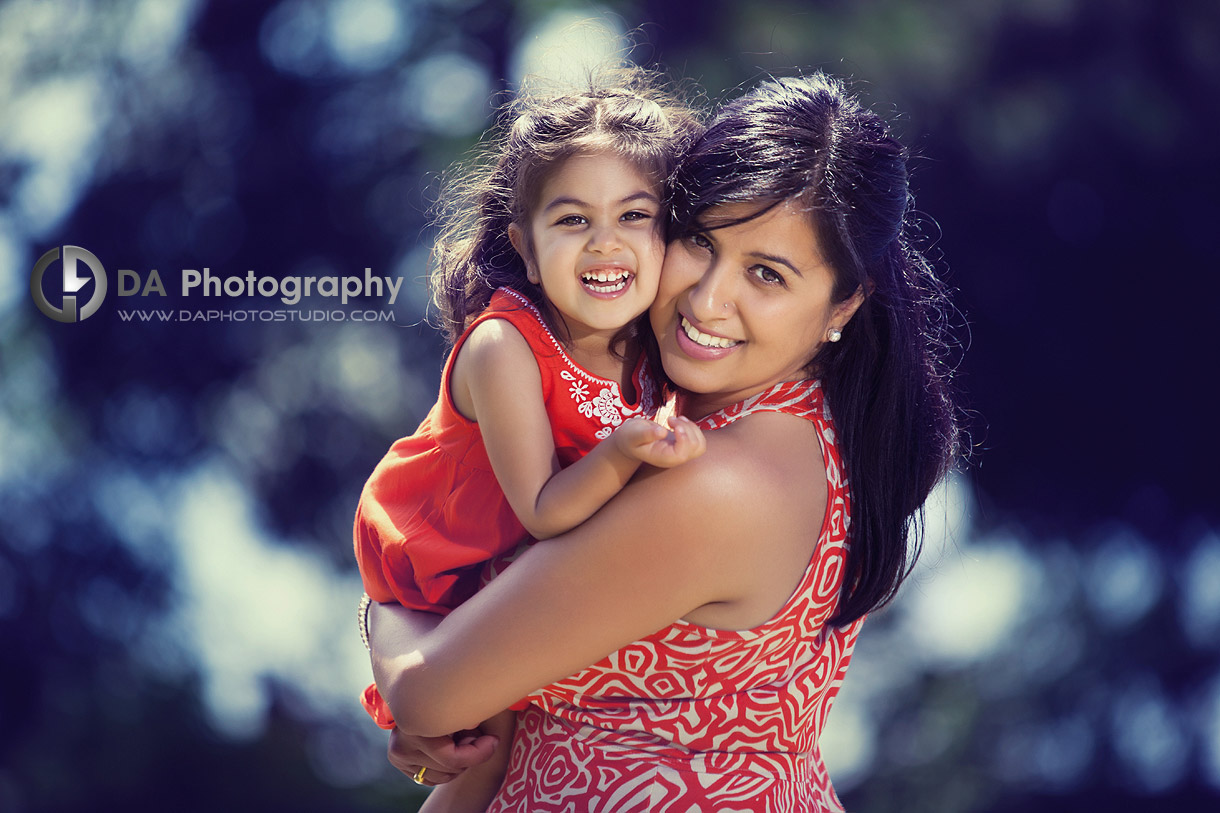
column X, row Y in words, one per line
column 711, row 297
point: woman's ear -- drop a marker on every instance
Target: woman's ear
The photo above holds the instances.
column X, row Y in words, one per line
column 842, row 313
column 517, row 237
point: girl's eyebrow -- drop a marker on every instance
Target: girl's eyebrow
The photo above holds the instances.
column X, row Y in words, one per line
column 642, row 194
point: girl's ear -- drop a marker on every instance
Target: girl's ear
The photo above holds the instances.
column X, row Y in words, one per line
column 520, row 245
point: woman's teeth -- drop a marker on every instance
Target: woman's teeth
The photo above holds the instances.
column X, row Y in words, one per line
column 606, row 281
column 705, row 339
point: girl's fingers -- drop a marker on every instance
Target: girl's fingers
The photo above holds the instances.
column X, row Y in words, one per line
column 688, row 440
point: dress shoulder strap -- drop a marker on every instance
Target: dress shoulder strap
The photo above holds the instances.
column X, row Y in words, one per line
column 801, row 398
column 509, row 305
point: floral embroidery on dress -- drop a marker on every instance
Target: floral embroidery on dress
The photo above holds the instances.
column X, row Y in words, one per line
column 604, row 407
column 607, row 407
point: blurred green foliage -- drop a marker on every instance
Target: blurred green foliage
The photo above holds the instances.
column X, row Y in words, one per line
column 1063, row 176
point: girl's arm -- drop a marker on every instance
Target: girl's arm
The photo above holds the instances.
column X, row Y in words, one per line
column 496, row 382
column 731, row 531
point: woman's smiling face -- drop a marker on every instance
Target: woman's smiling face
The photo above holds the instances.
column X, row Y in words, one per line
column 744, row 307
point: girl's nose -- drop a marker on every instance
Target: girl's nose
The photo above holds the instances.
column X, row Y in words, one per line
column 604, row 240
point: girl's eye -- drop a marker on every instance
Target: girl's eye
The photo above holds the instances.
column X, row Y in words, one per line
column 636, row 215
column 571, row 220
column 767, row 275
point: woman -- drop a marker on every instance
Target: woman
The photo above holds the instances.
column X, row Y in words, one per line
column 708, row 613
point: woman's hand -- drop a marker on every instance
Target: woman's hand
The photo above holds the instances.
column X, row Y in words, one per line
column 443, row 758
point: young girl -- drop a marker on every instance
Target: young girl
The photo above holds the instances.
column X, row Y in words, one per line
column 545, row 261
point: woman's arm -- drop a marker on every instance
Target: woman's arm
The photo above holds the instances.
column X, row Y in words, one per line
column 715, row 531
column 447, row 757
column 496, row 382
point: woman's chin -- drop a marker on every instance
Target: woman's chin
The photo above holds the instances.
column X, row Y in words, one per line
column 688, row 375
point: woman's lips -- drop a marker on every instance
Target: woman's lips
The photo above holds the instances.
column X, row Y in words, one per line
column 700, row 345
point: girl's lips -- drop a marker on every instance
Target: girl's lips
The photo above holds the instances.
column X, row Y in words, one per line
column 607, row 282
column 700, row 352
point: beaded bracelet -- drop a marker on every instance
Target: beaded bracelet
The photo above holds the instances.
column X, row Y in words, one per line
column 362, row 620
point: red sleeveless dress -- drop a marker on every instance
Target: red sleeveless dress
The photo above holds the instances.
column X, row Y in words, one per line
column 432, row 512
column 697, row 719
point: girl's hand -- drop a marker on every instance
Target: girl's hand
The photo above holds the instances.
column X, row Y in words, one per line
column 651, row 443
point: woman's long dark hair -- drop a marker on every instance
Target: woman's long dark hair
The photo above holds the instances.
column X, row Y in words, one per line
column 887, row 381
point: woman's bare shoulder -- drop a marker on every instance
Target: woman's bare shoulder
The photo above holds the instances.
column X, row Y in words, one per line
column 765, row 447
column 763, row 495
column 757, row 476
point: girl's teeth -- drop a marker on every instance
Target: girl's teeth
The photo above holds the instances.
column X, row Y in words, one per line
column 705, row 339
column 602, row 276
column 618, row 280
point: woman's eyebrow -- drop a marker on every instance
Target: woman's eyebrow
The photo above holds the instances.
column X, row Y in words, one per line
column 778, row 260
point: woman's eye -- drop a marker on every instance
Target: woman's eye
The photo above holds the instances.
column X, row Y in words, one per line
column 768, row 275
column 699, row 241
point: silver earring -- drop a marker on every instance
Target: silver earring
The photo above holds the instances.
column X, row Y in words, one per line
column 835, row 334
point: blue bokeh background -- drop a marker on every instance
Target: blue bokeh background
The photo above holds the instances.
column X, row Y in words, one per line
column 176, row 584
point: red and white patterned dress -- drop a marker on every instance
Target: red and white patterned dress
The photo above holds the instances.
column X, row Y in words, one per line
column 699, row 720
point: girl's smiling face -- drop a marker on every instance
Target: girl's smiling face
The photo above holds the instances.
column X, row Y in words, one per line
column 743, row 307
column 594, row 243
